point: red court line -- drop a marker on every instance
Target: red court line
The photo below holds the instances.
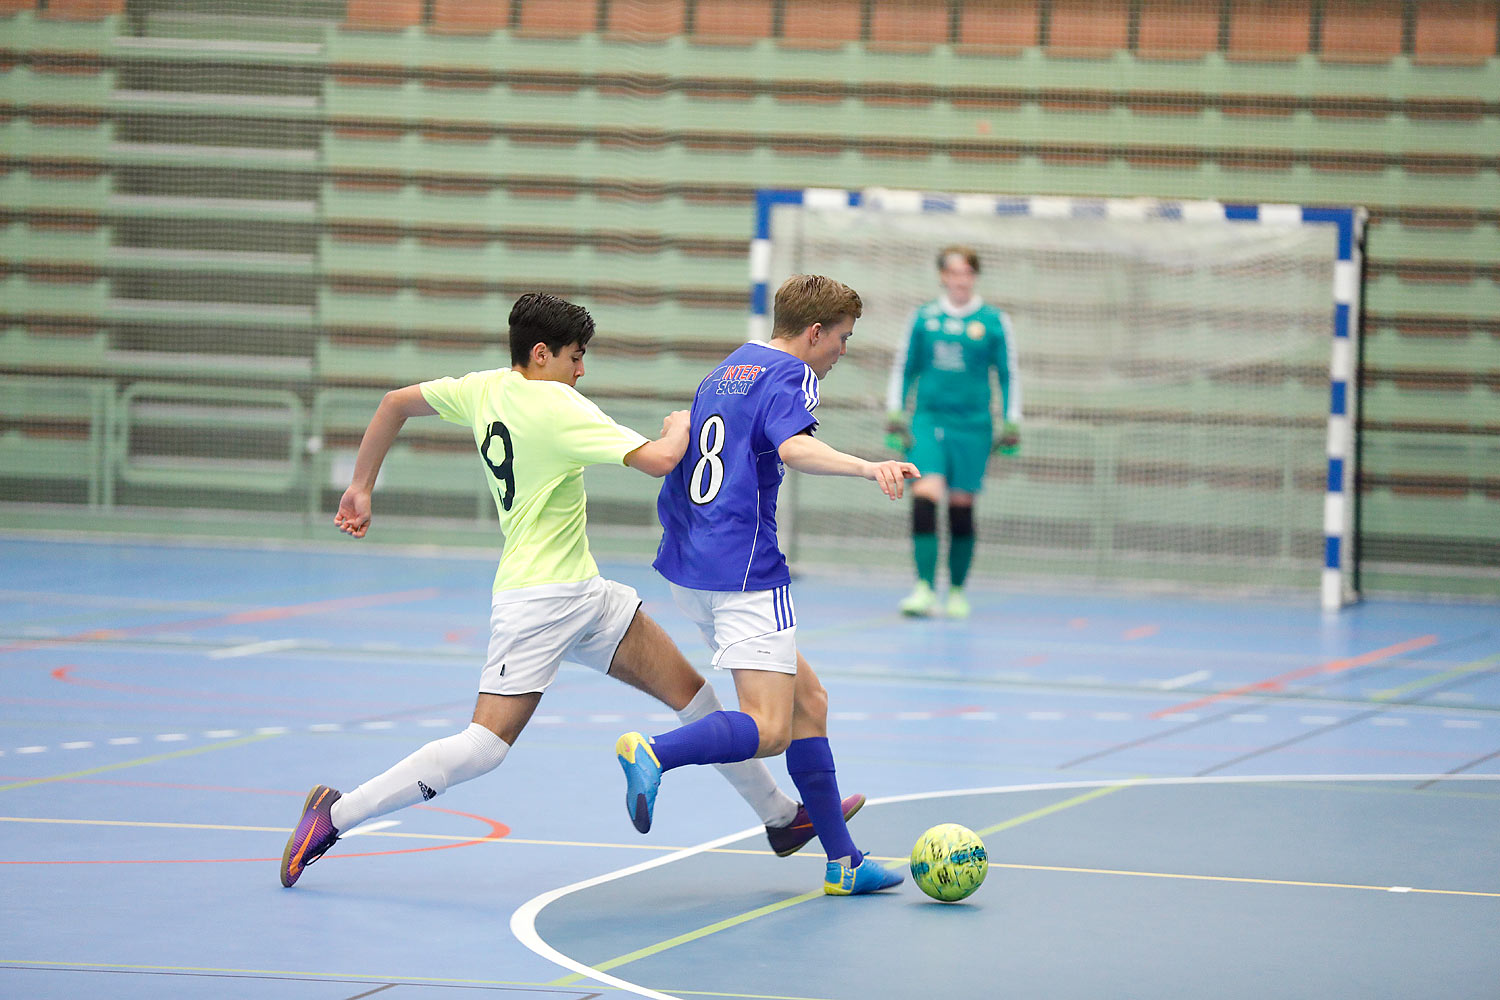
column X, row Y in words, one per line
column 276, row 613
column 1280, row 681
column 205, row 697
column 498, row 831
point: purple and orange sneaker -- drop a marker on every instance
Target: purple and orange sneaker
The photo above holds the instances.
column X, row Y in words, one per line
column 788, row 840
column 313, row 836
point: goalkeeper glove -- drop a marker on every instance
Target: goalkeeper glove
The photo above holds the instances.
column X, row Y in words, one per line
column 897, row 435
column 1008, row 441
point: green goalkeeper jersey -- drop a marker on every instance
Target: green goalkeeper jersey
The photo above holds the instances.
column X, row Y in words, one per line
column 947, row 357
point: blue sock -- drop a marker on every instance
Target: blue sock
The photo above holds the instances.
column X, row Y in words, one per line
column 810, row 763
column 717, row 738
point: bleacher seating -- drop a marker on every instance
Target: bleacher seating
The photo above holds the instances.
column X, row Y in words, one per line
column 645, row 20
column 1455, row 32
column 382, row 15
column 83, row 10
column 1270, row 30
column 998, row 27
column 54, row 430
column 1369, row 32
column 416, row 164
column 909, row 25
column 732, row 22
column 821, row 24
column 1094, row 29
column 1177, row 29
column 556, row 18
column 470, row 17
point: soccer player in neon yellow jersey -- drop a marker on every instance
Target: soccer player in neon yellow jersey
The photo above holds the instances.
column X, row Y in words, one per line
column 535, row 433
column 954, row 341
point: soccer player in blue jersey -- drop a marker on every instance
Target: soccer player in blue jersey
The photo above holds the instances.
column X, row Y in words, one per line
column 752, row 416
column 535, row 433
column 954, row 342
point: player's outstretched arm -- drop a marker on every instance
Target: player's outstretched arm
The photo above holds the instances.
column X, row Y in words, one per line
column 353, row 517
column 659, row 457
column 806, row 453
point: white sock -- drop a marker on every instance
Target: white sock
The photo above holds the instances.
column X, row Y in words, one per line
column 751, row 778
column 425, row 774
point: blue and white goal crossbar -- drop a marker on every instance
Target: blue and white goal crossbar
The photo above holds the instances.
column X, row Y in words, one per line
column 1338, row 580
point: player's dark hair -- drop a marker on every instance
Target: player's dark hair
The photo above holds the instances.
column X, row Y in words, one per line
column 540, row 318
column 969, row 254
column 805, row 299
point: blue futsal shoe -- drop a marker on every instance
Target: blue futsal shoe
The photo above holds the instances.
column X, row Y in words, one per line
column 642, row 778
column 867, row 876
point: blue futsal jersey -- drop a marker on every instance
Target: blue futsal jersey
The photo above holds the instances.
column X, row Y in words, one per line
column 718, row 507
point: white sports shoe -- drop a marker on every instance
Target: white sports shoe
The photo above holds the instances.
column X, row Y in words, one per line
column 920, row 602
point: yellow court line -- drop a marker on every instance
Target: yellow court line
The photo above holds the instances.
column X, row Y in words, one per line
column 224, row 745
column 661, row 946
column 1054, row 807
column 763, row 911
column 230, row 828
column 337, row 976
column 792, row 901
column 1251, row 881
column 657, row 848
column 300, row 973
column 1421, row 682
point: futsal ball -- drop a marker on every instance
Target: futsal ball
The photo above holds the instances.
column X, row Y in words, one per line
column 949, row 862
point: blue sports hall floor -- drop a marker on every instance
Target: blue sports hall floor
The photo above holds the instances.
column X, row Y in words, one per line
column 1181, row 798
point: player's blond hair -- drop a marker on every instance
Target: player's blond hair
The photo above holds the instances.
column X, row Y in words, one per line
column 805, row 299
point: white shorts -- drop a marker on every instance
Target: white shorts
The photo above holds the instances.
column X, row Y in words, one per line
column 747, row 630
column 529, row 638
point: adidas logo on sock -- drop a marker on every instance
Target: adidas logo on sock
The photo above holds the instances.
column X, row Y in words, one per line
column 427, row 793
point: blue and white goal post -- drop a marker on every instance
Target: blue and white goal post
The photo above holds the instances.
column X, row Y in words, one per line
column 1228, row 310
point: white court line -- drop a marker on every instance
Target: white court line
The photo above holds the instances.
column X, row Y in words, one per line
column 382, row 824
column 252, row 648
column 1184, row 680
column 523, row 920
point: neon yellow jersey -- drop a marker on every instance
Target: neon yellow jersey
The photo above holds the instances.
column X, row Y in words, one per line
column 535, row 437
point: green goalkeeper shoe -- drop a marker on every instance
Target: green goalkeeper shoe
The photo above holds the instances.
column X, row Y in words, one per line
column 958, row 604
column 920, row 602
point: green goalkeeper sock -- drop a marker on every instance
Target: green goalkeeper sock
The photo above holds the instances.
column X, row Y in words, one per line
column 926, row 548
column 960, row 556
column 960, row 543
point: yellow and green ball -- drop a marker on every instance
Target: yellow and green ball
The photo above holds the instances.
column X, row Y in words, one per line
column 949, row 862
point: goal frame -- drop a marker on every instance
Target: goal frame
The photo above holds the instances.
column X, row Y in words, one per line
column 1339, row 584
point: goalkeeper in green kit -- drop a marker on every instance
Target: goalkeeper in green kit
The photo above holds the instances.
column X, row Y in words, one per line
column 954, row 342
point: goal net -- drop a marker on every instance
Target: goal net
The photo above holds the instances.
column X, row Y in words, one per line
column 1184, row 370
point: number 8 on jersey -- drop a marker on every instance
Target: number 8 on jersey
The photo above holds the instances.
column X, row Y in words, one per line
column 708, row 474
